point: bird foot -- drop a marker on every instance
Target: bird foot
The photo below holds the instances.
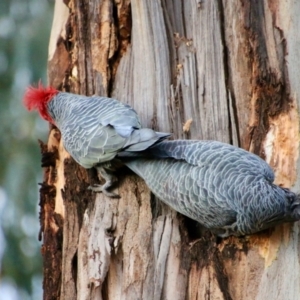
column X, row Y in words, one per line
column 110, row 179
column 224, row 234
column 98, row 188
column 227, row 231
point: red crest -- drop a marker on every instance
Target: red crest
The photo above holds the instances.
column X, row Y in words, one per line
column 37, row 98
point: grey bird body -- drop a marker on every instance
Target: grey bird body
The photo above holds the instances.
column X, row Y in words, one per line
column 225, row 188
column 94, row 129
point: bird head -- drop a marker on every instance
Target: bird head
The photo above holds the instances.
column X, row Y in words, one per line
column 37, row 98
column 293, row 201
column 295, row 207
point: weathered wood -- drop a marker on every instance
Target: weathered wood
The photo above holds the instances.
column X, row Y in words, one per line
column 223, row 70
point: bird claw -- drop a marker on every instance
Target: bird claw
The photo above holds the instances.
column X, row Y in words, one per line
column 225, row 234
column 98, row 188
column 110, row 179
column 228, row 230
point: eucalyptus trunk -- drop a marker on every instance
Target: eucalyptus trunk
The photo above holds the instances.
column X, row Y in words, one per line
column 221, row 70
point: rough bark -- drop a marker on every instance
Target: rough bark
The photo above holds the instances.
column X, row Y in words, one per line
column 223, row 70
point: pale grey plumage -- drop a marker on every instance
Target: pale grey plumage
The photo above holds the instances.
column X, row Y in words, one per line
column 225, row 188
column 94, row 129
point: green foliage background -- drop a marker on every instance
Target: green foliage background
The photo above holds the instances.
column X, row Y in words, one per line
column 24, row 36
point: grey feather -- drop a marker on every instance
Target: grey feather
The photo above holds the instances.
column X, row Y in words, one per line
column 95, row 129
column 225, row 188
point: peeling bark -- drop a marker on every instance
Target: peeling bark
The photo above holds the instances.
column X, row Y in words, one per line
column 202, row 70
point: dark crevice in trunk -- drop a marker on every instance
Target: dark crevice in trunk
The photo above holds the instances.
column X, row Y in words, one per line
column 233, row 118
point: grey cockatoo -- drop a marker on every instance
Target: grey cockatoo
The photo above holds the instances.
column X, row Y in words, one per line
column 94, row 129
column 225, row 188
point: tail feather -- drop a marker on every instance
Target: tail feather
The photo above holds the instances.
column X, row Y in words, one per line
column 142, row 139
column 174, row 149
column 135, row 166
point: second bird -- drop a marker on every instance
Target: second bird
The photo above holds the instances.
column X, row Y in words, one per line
column 227, row 189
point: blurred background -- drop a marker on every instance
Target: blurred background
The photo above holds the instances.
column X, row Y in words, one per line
column 24, row 35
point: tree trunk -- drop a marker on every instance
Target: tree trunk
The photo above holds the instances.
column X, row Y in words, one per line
column 222, row 70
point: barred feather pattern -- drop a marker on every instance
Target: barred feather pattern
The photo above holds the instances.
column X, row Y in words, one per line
column 225, row 188
column 94, row 129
